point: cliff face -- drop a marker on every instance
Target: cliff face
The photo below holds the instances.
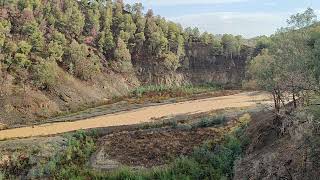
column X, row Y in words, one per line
column 202, row 66
column 199, row 65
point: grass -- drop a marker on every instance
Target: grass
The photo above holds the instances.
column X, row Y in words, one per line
column 174, row 91
column 209, row 122
column 181, row 124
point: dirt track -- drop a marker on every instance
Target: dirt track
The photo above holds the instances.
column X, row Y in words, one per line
column 141, row 115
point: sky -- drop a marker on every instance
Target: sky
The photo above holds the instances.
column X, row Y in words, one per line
column 249, row 18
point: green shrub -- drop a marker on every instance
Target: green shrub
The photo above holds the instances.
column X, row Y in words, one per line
column 45, row 74
column 184, row 127
column 70, row 164
column 209, row 122
column 81, row 61
column 187, row 89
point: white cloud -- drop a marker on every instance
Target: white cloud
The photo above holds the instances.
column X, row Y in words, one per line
column 183, row 2
column 246, row 24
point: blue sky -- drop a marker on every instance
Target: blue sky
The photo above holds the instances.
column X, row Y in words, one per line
column 249, row 18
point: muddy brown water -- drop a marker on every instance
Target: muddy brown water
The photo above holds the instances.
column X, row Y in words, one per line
column 142, row 115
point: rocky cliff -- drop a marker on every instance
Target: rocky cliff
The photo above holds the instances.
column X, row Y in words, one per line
column 199, row 65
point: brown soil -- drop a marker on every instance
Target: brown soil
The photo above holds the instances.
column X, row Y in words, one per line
column 158, row 146
column 142, row 115
column 278, row 150
column 153, row 147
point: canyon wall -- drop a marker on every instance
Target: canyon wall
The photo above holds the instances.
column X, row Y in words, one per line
column 199, row 65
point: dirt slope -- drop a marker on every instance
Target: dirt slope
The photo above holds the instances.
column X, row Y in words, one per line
column 141, row 115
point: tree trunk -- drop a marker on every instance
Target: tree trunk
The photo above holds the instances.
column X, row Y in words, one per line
column 276, row 103
column 294, row 100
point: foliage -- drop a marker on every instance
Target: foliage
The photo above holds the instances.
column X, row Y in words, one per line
column 170, row 61
column 122, row 53
column 304, row 19
column 263, row 69
column 209, row 122
column 82, row 35
column 45, row 74
column 24, row 47
column 5, row 27
column 55, row 51
column 71, row 162
column 82, row 63
column 287, row 64
column 230, row 45
column 174, row 90
column 123, row 57
column 263, row 42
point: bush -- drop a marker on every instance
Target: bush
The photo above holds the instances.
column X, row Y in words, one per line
column 45, row 74
column 71, row 163
column 82, row 63
column 175, row 91
column 209, row 122
column 87, row 68
column 170, row 61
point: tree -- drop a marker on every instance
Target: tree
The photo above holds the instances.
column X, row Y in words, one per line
column 156, row 42
column 140, row 22
column 117, row 19
column 122, row 57
column 35, row 36
column 196, row 33
column 24, row 47
column 206, row 38
column 264, row 70
column 293, row 57
column 81, row 62
column 288, row 67
column 263, row 42
column 229, row 44
column 92, row 18
column 106, row 16
column 32, row 4
column 122, row 53
column 20, row 59
column 55, row 51
column 175, row 39
column 59, row 38
column 5, row 27
column 10, row 47
column 187, row 35
column 302, row 20
column 170, row 61
column 72, row 21
column 105, row 40
column 45, row 74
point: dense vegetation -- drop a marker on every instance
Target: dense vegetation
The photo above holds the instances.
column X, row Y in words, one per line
column 87, row 37
column 288, row 63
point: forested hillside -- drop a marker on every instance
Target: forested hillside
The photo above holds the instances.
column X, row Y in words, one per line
column 59, row 54
column 87, row 36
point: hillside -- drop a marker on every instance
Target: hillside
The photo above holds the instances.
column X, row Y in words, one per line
column 99, row 89
column 63, row 55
